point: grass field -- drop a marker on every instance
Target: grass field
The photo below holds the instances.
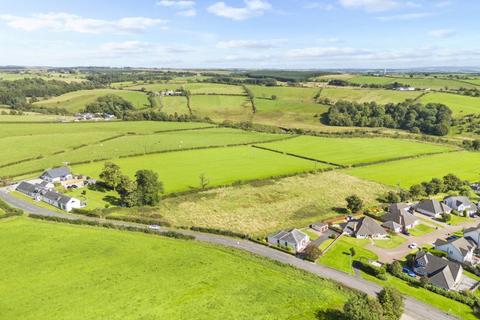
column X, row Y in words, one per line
column 292, row 94
column 57, row 271
column 122, row 146
column 423, row 83
column 180, row 171
column 350, row 151
column 264, row 207
column 411, row 171
column 460, row 105
column 221, row 108
column 10, row 76
column 194, row 88
column 171, row 105
column 77, row 100
column 338, row 256
column 380, row 96
column 34, row 117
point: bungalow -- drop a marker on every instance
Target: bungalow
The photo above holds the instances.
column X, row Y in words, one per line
column 319, row 226
column 432, row 208
column 365, row 227
column 50, row 196
column 440, row 272
column 295, row 239
column 461, row 204
column 459, row 249
column 473, row 234
column 398, row 218
column 57, row 175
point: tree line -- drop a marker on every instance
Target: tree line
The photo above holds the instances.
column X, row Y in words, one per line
column 432, row 118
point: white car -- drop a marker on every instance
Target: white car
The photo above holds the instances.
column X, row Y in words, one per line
column 154, row 227
column 412, row 246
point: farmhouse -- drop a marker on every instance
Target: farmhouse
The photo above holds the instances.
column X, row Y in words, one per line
column 459, row 249
column 295, row 239
column 432, row 208
column 461, row 204
column 473, row 234
column 50, row 196
column 440, row 272
column 365, row 227
column 398, row 218
column 319, row 226
column 57, row 175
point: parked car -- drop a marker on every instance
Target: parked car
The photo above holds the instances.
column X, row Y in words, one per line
column 412, row 246
column 154, row 227
column 406, row 233
column 409, row 272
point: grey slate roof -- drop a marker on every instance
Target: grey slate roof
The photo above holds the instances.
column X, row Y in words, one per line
column 27, row 187
column 365, row 226
column 57, row 197
column 459, row 200
column 462, row 244
column 391, row 225
column 439, row 271
column 398, row 213
column 293, row 236
column 433, row 206
column 57, row 172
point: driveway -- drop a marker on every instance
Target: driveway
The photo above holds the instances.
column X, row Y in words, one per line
column 414, row 309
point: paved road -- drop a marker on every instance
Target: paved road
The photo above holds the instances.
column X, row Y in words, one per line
column 413, row 309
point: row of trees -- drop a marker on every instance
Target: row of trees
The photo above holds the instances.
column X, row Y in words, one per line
column 390, row 86
column 111, row 104
column 389, row 305
column 145, row 190
column 432, row 118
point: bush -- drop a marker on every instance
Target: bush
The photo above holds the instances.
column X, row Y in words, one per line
column 378, row 272
column 9, row 211
column 311, row 253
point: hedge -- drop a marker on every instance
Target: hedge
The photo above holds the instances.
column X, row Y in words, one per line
column 9, row 211
column 378, row 272
column 220, row 232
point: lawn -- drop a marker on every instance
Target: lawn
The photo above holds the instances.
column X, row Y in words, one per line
column 380, row 96
column 264, row 207
column 180, row 171
column 310, row 233
column 455, row 308
column 393, row 241
column 421, row 229
column 131, row 145
column 221, row 108
column 77, row 100
column 459, row 104
column 351, row 151
column 407, row 172
column 338, row 256
column 57, row 271
column 456, row 220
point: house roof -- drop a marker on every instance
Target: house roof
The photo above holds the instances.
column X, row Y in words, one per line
column 391, row 225
column 319, row 224
column 477, row 228
column 459, row 200
column 433, row 206
column 368, row 227
column 441, row 272
column 26, row 187
column 398, row 213
column 293, row 236
column 57, row 172
column 55, row 196
column 462, row 244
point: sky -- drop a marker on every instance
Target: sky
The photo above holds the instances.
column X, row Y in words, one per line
column 284, row 34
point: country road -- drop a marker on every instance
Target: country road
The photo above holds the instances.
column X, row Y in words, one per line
column 414, row 309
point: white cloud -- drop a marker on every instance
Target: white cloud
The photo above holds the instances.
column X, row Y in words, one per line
column 112, row 49
column 58, row 21
column 376, row 5
column 186, row 7
column 441, row 33
column 250, row 44
column 252, row 8
column 319, row 5
column 405, row 17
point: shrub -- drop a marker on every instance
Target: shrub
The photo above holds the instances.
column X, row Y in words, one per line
column 378, row 272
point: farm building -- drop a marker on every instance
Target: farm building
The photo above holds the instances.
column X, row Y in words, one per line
column 398, row 218
column 295, row 240
column 459, row 249
column 365, row 227
column 432, row 208
column 440, row 272
column 319, row 226
column 461, row 204
column 57, row 175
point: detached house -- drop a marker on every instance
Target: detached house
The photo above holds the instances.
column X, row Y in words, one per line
column 473, row 234
column 295, row 239
column 398, row 218
column 432, row 208
column 440, row 272
column 57, row 175
column 365, row 227
column 461, row 204
column 41, row 193
column 459, row 249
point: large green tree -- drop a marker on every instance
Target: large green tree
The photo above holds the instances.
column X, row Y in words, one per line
column 354, row 203
column 149, row 188
column 392, row 303
column 361, row 307
column 127, row 190
column 111, row 175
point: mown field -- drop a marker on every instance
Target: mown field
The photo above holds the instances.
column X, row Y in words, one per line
column 296, row 94
column 380, row 96
column 411, row 171
column 5, row 116
column 422, row 83
column 351, row 151
column 221, row 108
column 459, row 104
column 77, row 100
column 130, row 144
column 194, row 88
column 172, row 105
column 69, row 272
column 180, row 171
column 10, row 76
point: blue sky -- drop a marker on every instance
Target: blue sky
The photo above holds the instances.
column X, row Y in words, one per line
column 241, row 33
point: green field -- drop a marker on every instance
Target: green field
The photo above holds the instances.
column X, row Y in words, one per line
column 292, row 94
column 11, row 76
column 94, row 149
column 171, row 105
column 77, row 100
column 423, row 83
column 34, row 117
column 351, row 151
column 221, row 108
column 459, row 104
column 412, row 171
column 57, row 271
column 180, row 171
column 194, row 88
column 380, row 96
